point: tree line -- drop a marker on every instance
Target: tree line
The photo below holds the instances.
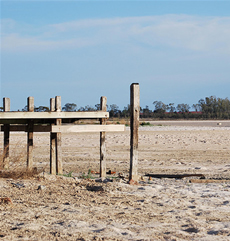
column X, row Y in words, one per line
column 207, row 108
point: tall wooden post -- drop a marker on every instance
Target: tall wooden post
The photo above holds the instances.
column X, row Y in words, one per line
column 103, row 103
column 53, row 167
column 134, row 125
column 6, row 159
column 30, row 134
column 58, row 138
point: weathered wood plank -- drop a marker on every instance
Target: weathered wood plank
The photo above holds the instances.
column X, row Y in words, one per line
column 37, row 128
column 87, row 128
column 24, row 121
column 15, row 128
column 15, row 115
column 103, row 107
column 6, row 156
column 134, row 125
column 68, row 128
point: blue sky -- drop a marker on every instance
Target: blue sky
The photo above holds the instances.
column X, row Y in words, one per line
column 179, row 51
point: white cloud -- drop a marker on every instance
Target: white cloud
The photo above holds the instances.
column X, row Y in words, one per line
column 202, row 34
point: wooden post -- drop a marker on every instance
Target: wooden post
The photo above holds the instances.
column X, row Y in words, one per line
column 103, row 103
column 52, row 104
column 6, row 151
column 30, row 134
column 58, row 138
column 53, row 167
column 134, row 125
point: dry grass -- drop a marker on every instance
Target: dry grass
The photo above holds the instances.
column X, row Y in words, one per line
column 17, row 165
column 19, row 173
column 122, row 121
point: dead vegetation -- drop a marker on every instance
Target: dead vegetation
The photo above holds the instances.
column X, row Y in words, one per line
column 18, row 174
column 5, row 200
column 17, row 165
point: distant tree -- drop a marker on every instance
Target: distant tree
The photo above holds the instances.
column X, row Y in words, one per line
column 81, row 109
column 86, row 108
column 183, row 108
column 125, row 112
column 223, row 105
column 196, row 107
column 171, row 107
column 89, row 108
column 213, row 107
column 25, row 108
column 146, row 112
column 160, row 107
column 208, row 106
column 97, row 107
column 1, row 108
column 211, row 104
column 36, row 109
column 41, row 109
column 70, row 107
column 114, row 111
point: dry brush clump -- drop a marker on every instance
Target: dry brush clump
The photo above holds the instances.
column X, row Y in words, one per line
column 122, row 121
column 19, row 173
column 17, row 164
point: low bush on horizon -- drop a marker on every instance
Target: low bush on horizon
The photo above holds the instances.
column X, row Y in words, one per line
column 145, row 124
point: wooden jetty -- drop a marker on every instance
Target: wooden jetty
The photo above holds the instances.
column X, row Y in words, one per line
column 55, row 121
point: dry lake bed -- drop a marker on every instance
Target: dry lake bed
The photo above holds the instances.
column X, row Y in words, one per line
column 48, row 207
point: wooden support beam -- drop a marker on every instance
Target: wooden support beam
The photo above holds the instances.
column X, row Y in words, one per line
column 53, row 167
column 15, row 128
column 6, row 151
column 134, row 125
column 103, row 107
column 30, row 134
column 13, row 116
column 59, row 168
column 36, row 128
column 87, row 128
column 67, row 128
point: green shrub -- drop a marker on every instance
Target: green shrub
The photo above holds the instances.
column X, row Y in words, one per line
column 145, row 124
column 88, row 176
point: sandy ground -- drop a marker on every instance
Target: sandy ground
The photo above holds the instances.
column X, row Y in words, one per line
column 50, row 207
